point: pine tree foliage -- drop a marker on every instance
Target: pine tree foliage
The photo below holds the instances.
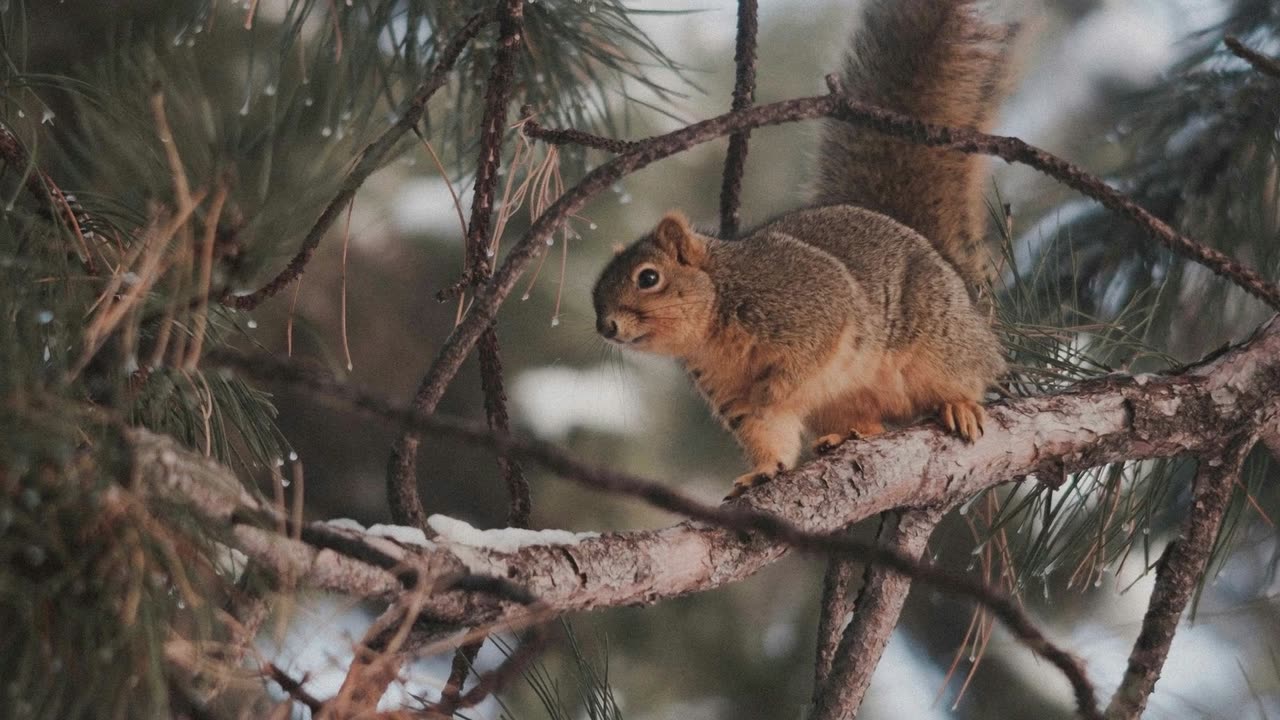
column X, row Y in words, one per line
column 1086, row 294
column 189, row 162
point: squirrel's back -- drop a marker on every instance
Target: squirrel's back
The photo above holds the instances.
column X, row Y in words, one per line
column 937, row 61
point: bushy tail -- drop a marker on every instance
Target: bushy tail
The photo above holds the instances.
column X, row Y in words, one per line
column 937, row 61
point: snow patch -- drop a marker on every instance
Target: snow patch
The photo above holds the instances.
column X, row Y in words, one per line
column 344, row 524
column 401, row 534
column 506, row 540
column 555, row 400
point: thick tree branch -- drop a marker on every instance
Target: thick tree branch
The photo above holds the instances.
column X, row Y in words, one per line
column 835, row 608
column 875, row 615
column 1178, row 573
column 1107, row 420
column 744, row 88
column 374, row 156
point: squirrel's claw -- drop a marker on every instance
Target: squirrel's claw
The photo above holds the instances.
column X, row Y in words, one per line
column 827, row 443
column 964, row 418
column 743, row 483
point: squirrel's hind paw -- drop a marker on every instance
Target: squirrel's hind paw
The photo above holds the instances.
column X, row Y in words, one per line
column 827, row 443
column 964, row 418
column 743, row 483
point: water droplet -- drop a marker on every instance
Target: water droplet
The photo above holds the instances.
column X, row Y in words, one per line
column 244, row 109
column 46, row 117
column 625, row 199
column 326, row 131
column 293, row 456
column 1098, row 582
column 488, row 252
column 269, row 90
column 593, row 226
column 308, row 102
column 524, row 296
column 285, row 482
column 253, row 324
column 44, row 317
column 47, row 354
column 551, row 241
column 21, row 114
column 555, row 321
column 279, row 462
column 591, row 8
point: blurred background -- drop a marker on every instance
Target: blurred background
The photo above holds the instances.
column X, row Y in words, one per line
column 1138, row 91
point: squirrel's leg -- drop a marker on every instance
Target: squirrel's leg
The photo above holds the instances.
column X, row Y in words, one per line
column 771, row 439
column 857, row 429
column 856, row 415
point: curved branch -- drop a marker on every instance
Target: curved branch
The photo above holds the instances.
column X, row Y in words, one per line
column 370, row 160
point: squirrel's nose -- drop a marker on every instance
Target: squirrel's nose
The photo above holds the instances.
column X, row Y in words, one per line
column 607, row 328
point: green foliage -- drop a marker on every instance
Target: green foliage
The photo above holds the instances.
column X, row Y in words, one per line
column 1085, row 294
column 580, row 689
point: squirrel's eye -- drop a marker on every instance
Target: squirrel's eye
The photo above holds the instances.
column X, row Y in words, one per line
column 647, row 278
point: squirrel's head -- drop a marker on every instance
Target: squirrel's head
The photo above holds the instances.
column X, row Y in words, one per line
column 656, row 295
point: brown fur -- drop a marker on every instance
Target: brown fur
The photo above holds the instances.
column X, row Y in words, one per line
column 934, row 60
column 837, row 319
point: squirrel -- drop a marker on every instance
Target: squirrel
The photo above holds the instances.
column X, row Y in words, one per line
column 860, row 309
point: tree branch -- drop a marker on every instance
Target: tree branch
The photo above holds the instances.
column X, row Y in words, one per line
column 1111, row 419
column 1260, row 62
column 642, row 153
column 1178, row 573
column 370, row 160
column 402, row 478
column 875, row 615
column 744, row 87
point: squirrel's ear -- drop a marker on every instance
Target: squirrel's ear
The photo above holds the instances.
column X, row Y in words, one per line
column 675, row 238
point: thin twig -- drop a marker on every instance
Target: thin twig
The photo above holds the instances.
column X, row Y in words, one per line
column 1260, row 62
column 371, row 159
column 1179, row 571
column 735, row 162
column 293, row 688
column 402, row 480
column 206, row 277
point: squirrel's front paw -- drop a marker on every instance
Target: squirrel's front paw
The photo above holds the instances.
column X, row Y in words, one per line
column 745, row 482
column 964, row 418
